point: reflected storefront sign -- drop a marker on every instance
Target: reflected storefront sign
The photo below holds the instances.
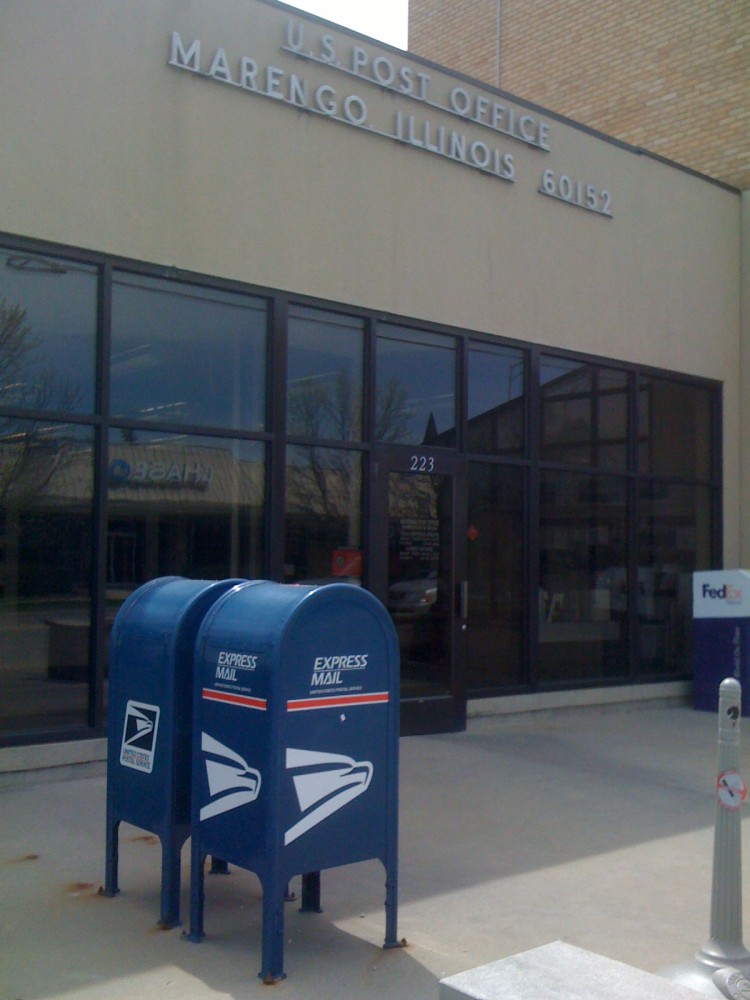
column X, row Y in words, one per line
column 121, row 473
column 191, row 506
column 182, row 472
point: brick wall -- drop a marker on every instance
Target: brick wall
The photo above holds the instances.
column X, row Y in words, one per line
column 672, row 76
column 460, row 34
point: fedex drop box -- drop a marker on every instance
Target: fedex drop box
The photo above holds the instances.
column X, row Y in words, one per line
column 721, row 634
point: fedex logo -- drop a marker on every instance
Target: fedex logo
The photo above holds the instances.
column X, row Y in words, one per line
column 728, row 593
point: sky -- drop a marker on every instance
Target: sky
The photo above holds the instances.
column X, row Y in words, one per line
column 385, row 20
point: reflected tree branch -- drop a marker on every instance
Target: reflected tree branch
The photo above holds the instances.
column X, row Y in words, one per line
column 31, row 450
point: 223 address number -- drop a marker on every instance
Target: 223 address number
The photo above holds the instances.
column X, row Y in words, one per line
column 421, row 463
column 576, row 193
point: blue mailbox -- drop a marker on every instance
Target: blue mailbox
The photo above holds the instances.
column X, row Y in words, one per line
column 296, row 744
column 721, row 634
column 149, row 762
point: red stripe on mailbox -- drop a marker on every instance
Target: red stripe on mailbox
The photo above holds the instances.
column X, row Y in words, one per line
column 342, row 701
column 235, row 699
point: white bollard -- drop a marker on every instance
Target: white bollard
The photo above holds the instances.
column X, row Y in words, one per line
column 722, row 966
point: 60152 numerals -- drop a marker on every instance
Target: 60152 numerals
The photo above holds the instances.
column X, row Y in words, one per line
column 577, row 193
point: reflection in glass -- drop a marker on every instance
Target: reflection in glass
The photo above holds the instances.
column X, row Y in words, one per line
column 182, row 505
column 566, row 410
column 496, row 400
column 674, row 540
column 583, row 598
column 47, row 333
column 611, row 441
column 674, row 428
column 323, row 526
column 419, row 575
column 187, row 355
column 496, row 577
column 415, row 387
column 45, row 574
column 584, row 413
column 324, row 375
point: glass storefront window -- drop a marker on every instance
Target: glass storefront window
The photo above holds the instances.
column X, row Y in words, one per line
column 184, row 505
column 584, row 413
column 47, row 333
column 415, row 387
column 187, row 496
column 495, row 418
column 182, row 354
column 324, row 375
column 323, row 522
column 46, row 475
column 674, row 428
column 496, row 567
column 611, row 438
column 583, row 597
column 566, row 411
column 674, row 540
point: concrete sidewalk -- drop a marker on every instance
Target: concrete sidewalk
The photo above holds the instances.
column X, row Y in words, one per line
column 591, row 826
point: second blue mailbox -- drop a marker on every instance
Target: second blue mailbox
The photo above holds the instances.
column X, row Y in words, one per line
column 295, row 743
column 149, row 761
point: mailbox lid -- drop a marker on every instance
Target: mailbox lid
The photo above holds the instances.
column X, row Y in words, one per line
column 300, row 645
column 339, row 651
column 157, row 607
column 155, row 627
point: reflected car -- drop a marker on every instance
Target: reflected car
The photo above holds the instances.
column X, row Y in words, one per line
column 413, row 597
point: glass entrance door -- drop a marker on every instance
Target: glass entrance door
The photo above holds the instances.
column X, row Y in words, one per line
column 419, row 583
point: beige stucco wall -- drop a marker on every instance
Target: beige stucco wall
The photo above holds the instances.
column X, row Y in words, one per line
column 106, row 146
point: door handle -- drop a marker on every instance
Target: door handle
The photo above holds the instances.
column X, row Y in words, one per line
column 463, row 599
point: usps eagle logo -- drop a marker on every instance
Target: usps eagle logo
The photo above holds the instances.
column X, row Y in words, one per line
column 139, row 736
column 324, row 783
column 231, row 781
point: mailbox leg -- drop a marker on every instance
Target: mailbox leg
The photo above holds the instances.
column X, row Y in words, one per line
column 171, row 848
column 197, row 891
column 391, row 909
column 273, row 931
column 111, row 887
column 310, row 893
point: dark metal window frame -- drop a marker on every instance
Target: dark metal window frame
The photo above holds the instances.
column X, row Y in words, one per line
column 276, row 440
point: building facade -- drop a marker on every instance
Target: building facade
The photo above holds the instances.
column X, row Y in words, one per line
column 669, row 76
column 277, row 301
